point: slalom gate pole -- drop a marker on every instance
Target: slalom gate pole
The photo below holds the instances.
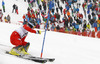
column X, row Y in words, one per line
column 45, row 34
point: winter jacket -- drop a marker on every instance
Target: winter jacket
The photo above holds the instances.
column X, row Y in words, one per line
column 89, row 16
column 98, row 21
column 67, row 7
column 73, row 24
column 94, row 24
column 14, row 6
column 77, row 26
column 68, row 13
column 88, row 11
column 84, row 26
column 3, row 3
column 88, row 26
column 77, row 9
column 42, row 0
column 38, row 21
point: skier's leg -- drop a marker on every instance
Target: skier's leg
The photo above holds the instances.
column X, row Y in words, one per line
column 15, row 40
column 25, row 48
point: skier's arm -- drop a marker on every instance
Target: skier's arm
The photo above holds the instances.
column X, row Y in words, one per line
column 29, row 29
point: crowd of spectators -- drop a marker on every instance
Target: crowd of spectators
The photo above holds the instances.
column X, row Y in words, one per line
column 67, row 16
column 68, row 19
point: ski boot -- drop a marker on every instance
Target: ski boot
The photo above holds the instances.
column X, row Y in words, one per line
column 16, row 50
column 25, row 49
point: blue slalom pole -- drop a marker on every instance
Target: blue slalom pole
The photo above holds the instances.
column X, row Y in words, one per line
column 45, row 34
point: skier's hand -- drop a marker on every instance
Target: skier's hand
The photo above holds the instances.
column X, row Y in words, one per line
column 38, row 32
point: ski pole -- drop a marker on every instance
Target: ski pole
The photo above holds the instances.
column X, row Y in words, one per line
column 45, row 34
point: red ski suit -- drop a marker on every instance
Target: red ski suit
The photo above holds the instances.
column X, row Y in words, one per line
column 18, row 36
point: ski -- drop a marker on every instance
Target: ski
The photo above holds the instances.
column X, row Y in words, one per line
column 32, row 58
column 48, row 59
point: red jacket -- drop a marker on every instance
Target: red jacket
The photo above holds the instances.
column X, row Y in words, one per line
column 64, row 11
column 23, row 16
column 18, row 36
column 33, row 16
column 29, row 15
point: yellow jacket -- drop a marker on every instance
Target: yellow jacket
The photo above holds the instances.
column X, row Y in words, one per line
column 88, row 26
column 5, row 20
column 41, row 0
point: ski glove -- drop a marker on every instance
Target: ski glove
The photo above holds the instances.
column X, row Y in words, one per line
column 38, row 32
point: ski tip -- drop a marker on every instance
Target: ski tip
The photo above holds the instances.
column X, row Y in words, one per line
column 40, row 61
column 51, row 60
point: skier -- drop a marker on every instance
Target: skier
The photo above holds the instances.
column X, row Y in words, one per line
column 18, row 36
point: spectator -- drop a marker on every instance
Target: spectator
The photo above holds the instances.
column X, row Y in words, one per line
column 5, row 18
column 37, row 26
column 40, row 7
column 64, row 11
column 58, row 27
column 88, row 26
column 84, row 27
column 58, row 16
column 3, row 5
column 95, row 26
column 98, row 24
column 89, row 17
column 1, row 14
column 44, row 6
column 52, row 11
column 57, row 9
column 68, row 13
column 53, row 27
column 61, row 8
column 77, row 27
column 8, row 18
column 58, row 3
column 14, row 8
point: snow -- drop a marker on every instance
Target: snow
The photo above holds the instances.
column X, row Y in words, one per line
column 65, row 48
